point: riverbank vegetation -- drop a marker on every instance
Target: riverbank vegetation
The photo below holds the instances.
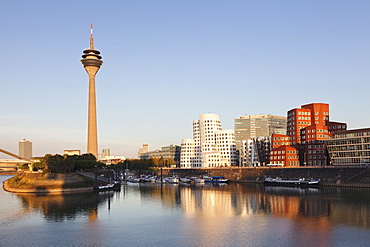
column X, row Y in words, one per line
column 55, row 173
column 65, row 164
column 39, row 182
column 145, row 164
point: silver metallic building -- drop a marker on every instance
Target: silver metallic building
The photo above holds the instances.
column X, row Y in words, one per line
column 351, row 147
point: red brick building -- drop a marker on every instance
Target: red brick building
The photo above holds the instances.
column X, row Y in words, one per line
column 279, row 140
column 286, row 155
column 307, row 129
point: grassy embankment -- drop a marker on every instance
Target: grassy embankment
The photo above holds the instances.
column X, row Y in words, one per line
column 50, row 182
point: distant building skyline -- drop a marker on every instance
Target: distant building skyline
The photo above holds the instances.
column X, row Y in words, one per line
column 105, row 152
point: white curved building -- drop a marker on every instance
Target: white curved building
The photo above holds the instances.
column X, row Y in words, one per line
column 210, row 147
column 225, row 141
column 187, row 157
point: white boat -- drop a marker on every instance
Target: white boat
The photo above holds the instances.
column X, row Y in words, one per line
column 198, row 180
column 159, row 180
column 291, row 181
column 150, row 179
column 185, row 180
column 133, row 179
column 173, row 180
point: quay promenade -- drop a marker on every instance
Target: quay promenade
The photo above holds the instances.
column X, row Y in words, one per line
column 329, row 175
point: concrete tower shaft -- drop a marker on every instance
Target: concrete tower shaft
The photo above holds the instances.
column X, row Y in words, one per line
column 91, row 60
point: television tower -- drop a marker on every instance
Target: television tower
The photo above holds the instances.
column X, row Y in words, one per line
column 91, row 60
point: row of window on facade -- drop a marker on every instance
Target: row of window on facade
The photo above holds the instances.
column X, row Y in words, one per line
column 283, row 152
column 283, row 157
column 316, row 157
column 283, row 143
column 307, row 113
column 290, row 163
column 352, row 154
column 316, row 151
column 314, row 136
column 281, row 138
column 359, row 133
column 365, row 141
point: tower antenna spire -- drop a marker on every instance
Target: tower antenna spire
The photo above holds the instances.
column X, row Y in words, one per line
column 91, row 38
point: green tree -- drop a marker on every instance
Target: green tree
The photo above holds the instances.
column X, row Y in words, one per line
column 89, row 157
column 54, row 163
column 64, row 164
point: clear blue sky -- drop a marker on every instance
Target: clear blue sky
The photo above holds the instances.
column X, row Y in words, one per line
column 166, row 62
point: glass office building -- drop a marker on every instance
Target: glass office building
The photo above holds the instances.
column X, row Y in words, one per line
column 253, row 126
column 351, row 147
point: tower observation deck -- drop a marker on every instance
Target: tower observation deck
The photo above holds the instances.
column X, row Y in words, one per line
column 91, row 60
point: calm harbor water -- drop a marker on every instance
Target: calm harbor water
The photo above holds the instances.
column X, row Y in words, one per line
column 182, row 215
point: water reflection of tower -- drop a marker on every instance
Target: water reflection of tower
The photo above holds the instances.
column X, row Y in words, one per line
column 91, row 61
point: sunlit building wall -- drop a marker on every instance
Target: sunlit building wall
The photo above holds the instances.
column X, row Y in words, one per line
column 248, row 154
column 142, row 150
column 213, row 147
column 72, row 152
column 187, row 157
column 225, row 144
column 307, row 129
column 171, row 152
column 255, row 152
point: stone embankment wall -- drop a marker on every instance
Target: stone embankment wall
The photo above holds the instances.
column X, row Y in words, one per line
column 330, row 176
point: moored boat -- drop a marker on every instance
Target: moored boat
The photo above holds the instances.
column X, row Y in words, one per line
column 173, row 180
column 110, row 186
column 150, row 179
column 160, row 180
column 291, row 181
column 134, row 179
column 185, row 180
column 197, row 180
column 217, row 179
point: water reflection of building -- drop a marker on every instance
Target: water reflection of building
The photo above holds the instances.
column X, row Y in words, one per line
column 218, row 204
column 218, row 207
